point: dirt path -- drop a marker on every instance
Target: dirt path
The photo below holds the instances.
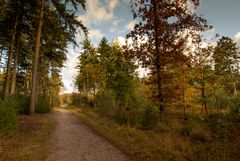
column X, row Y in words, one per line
column 73, row 141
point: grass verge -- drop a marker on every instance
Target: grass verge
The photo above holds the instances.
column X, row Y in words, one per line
column 29, row 141
column 173, row 141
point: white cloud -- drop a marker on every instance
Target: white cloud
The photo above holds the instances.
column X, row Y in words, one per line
column 130, row 25
column 191, row 6
column 69, row 71
column 237, row 39
column 95, row 34
column 120, row 40
column 115, row 25
column 112, row 4
column 98, row 11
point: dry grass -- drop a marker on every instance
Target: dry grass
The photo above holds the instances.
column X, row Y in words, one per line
column 175, row 140
column 29, row 141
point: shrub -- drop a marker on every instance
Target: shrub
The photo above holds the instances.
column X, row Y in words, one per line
column 121, row 115
column 221, row 129
column 22, row 103
column 82, row 100
column 185, row 130
column 234, row 104
column 42, row 105
column 213, row 117
column 8, row 116
column 19, row 102
column 106, row 104
column 149, row 117
column 220, row 99
column 56, row 102
column 75, row 100
column 218, row 125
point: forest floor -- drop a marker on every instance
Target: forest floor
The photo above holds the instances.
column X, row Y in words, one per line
column 29, row 142
column 73, row 141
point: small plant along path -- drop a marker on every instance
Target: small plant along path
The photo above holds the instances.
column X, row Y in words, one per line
column 73, row 141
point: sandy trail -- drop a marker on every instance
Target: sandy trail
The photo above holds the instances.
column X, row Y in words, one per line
column 73, row 141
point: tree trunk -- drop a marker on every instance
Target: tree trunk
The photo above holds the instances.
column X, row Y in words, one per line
column 3, row 50
column 10, row 54
column 158, row 61
column 13, row 86
column 204, row 103
column 36, row 58
column 183, row 94
column 1, row 54
column 234, row 88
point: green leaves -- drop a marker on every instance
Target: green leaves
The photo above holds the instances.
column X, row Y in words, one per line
column 226, row 57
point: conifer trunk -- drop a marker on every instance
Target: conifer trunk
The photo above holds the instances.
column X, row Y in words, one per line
column 234, row 89
column 13, row 86
column 183, row 93
column 204, row 102
column 36, row 57
column 10, row 53
column 158, row 60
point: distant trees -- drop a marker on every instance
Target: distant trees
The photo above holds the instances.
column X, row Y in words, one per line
column 87, row 78
column 107, row 76
column 226, row 63
column 104, row 68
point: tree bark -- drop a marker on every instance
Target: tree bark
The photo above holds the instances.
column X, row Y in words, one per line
column 204, row 103
column 36, row 58
column 158, row 60
column 234, row 88
column 13, row 86
column 10, row 53
column 183, row 93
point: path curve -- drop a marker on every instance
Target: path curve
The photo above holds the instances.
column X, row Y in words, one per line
column 73, row 141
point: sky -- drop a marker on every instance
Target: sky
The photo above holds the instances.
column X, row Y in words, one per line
column 113, row 19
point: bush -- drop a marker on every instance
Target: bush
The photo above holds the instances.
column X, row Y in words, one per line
column 135, row 110
column 75, row 100
column 220, row 99
column 42, row 105
column 19, row 102
column 106, row 103
column 218, row 125
column 185, row 131
column 8, row 116
column 56, row 102
column 149, row 117
column 22, row 103
column 82, row 100
column 121, row 116
column 234, row 104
